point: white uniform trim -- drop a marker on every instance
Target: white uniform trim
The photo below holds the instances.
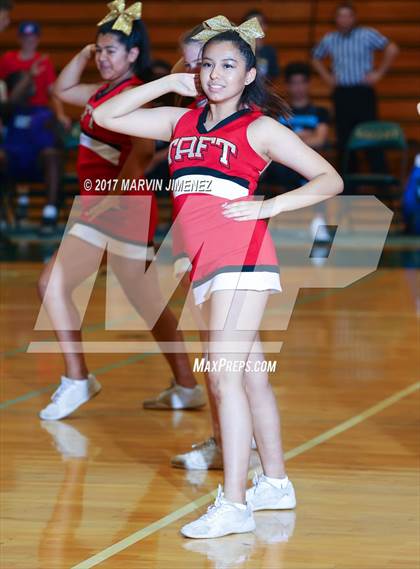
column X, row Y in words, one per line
column 116, row 246
column 103, row 150
column 260, row 281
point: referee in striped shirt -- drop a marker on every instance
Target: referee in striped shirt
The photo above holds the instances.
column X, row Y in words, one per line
column 351, row 49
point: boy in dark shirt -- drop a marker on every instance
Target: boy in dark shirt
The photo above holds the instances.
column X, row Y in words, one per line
column 311, row 123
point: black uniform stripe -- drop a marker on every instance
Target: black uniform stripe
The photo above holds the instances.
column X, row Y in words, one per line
column 203, row 171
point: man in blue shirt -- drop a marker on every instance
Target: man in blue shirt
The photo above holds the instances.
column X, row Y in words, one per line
column 353, row 77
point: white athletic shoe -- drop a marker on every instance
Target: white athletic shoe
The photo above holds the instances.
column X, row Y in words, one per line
column 203, row 456
column 71, row 394
column 208, row 456
column 264, row 495
column 68, row 441
column 222, row 518
column 177, row 397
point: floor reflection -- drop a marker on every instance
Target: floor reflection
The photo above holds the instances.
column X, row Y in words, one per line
column 58, row 538
column 262, row 548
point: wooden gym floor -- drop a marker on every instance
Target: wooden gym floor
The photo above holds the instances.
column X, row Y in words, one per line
column 347, row 386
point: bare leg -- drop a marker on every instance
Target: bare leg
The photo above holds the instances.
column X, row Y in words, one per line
column 201, row 315
column 64, row 272
column 213, row 412
column 130, row 272
column 228, row 385
column 265, row 417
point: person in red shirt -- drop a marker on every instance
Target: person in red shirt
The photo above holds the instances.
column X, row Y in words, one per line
column 31, row 143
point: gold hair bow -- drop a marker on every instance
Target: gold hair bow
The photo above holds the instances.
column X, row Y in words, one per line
column 249, row 31
column 124, row 17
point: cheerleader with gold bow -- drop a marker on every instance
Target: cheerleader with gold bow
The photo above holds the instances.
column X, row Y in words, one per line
column 121, row 54
column 228, row 144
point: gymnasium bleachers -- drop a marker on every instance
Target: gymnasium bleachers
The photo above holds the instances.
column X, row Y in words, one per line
column 294, row 27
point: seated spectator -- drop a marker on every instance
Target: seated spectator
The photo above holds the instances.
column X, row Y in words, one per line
column 311, row 123
column 31, row 141
column 267, row 61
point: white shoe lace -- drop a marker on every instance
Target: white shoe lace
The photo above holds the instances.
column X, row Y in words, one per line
column 216, row 507
column 56, row 396
column 256, row 481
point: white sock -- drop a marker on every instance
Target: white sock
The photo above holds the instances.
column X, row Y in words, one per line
column 186, row 389
column 76, row 381
column 278, row 482
column 238, row 505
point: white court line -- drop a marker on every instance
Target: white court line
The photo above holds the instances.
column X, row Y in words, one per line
column 181, row 512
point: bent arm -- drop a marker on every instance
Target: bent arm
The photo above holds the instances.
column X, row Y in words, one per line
column 21, row 88
column 278, row 143
column 123, row 113
column 390, row 53
column 68, row 88
column 323, row 71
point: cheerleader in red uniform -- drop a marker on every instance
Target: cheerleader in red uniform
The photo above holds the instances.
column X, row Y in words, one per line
column 121, row 51
column 221, row 151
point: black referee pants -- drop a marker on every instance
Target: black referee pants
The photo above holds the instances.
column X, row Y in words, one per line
column 354, row 105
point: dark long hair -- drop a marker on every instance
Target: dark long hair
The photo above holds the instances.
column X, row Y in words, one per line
column 260, row 93
column 138, row 38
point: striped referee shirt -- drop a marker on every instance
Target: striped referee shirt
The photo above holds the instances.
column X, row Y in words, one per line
column 351, row 53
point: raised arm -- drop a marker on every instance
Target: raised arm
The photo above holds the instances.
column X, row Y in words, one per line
column 68, row 88
column 276, row 142
column 282, row 145
column 123, row 113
